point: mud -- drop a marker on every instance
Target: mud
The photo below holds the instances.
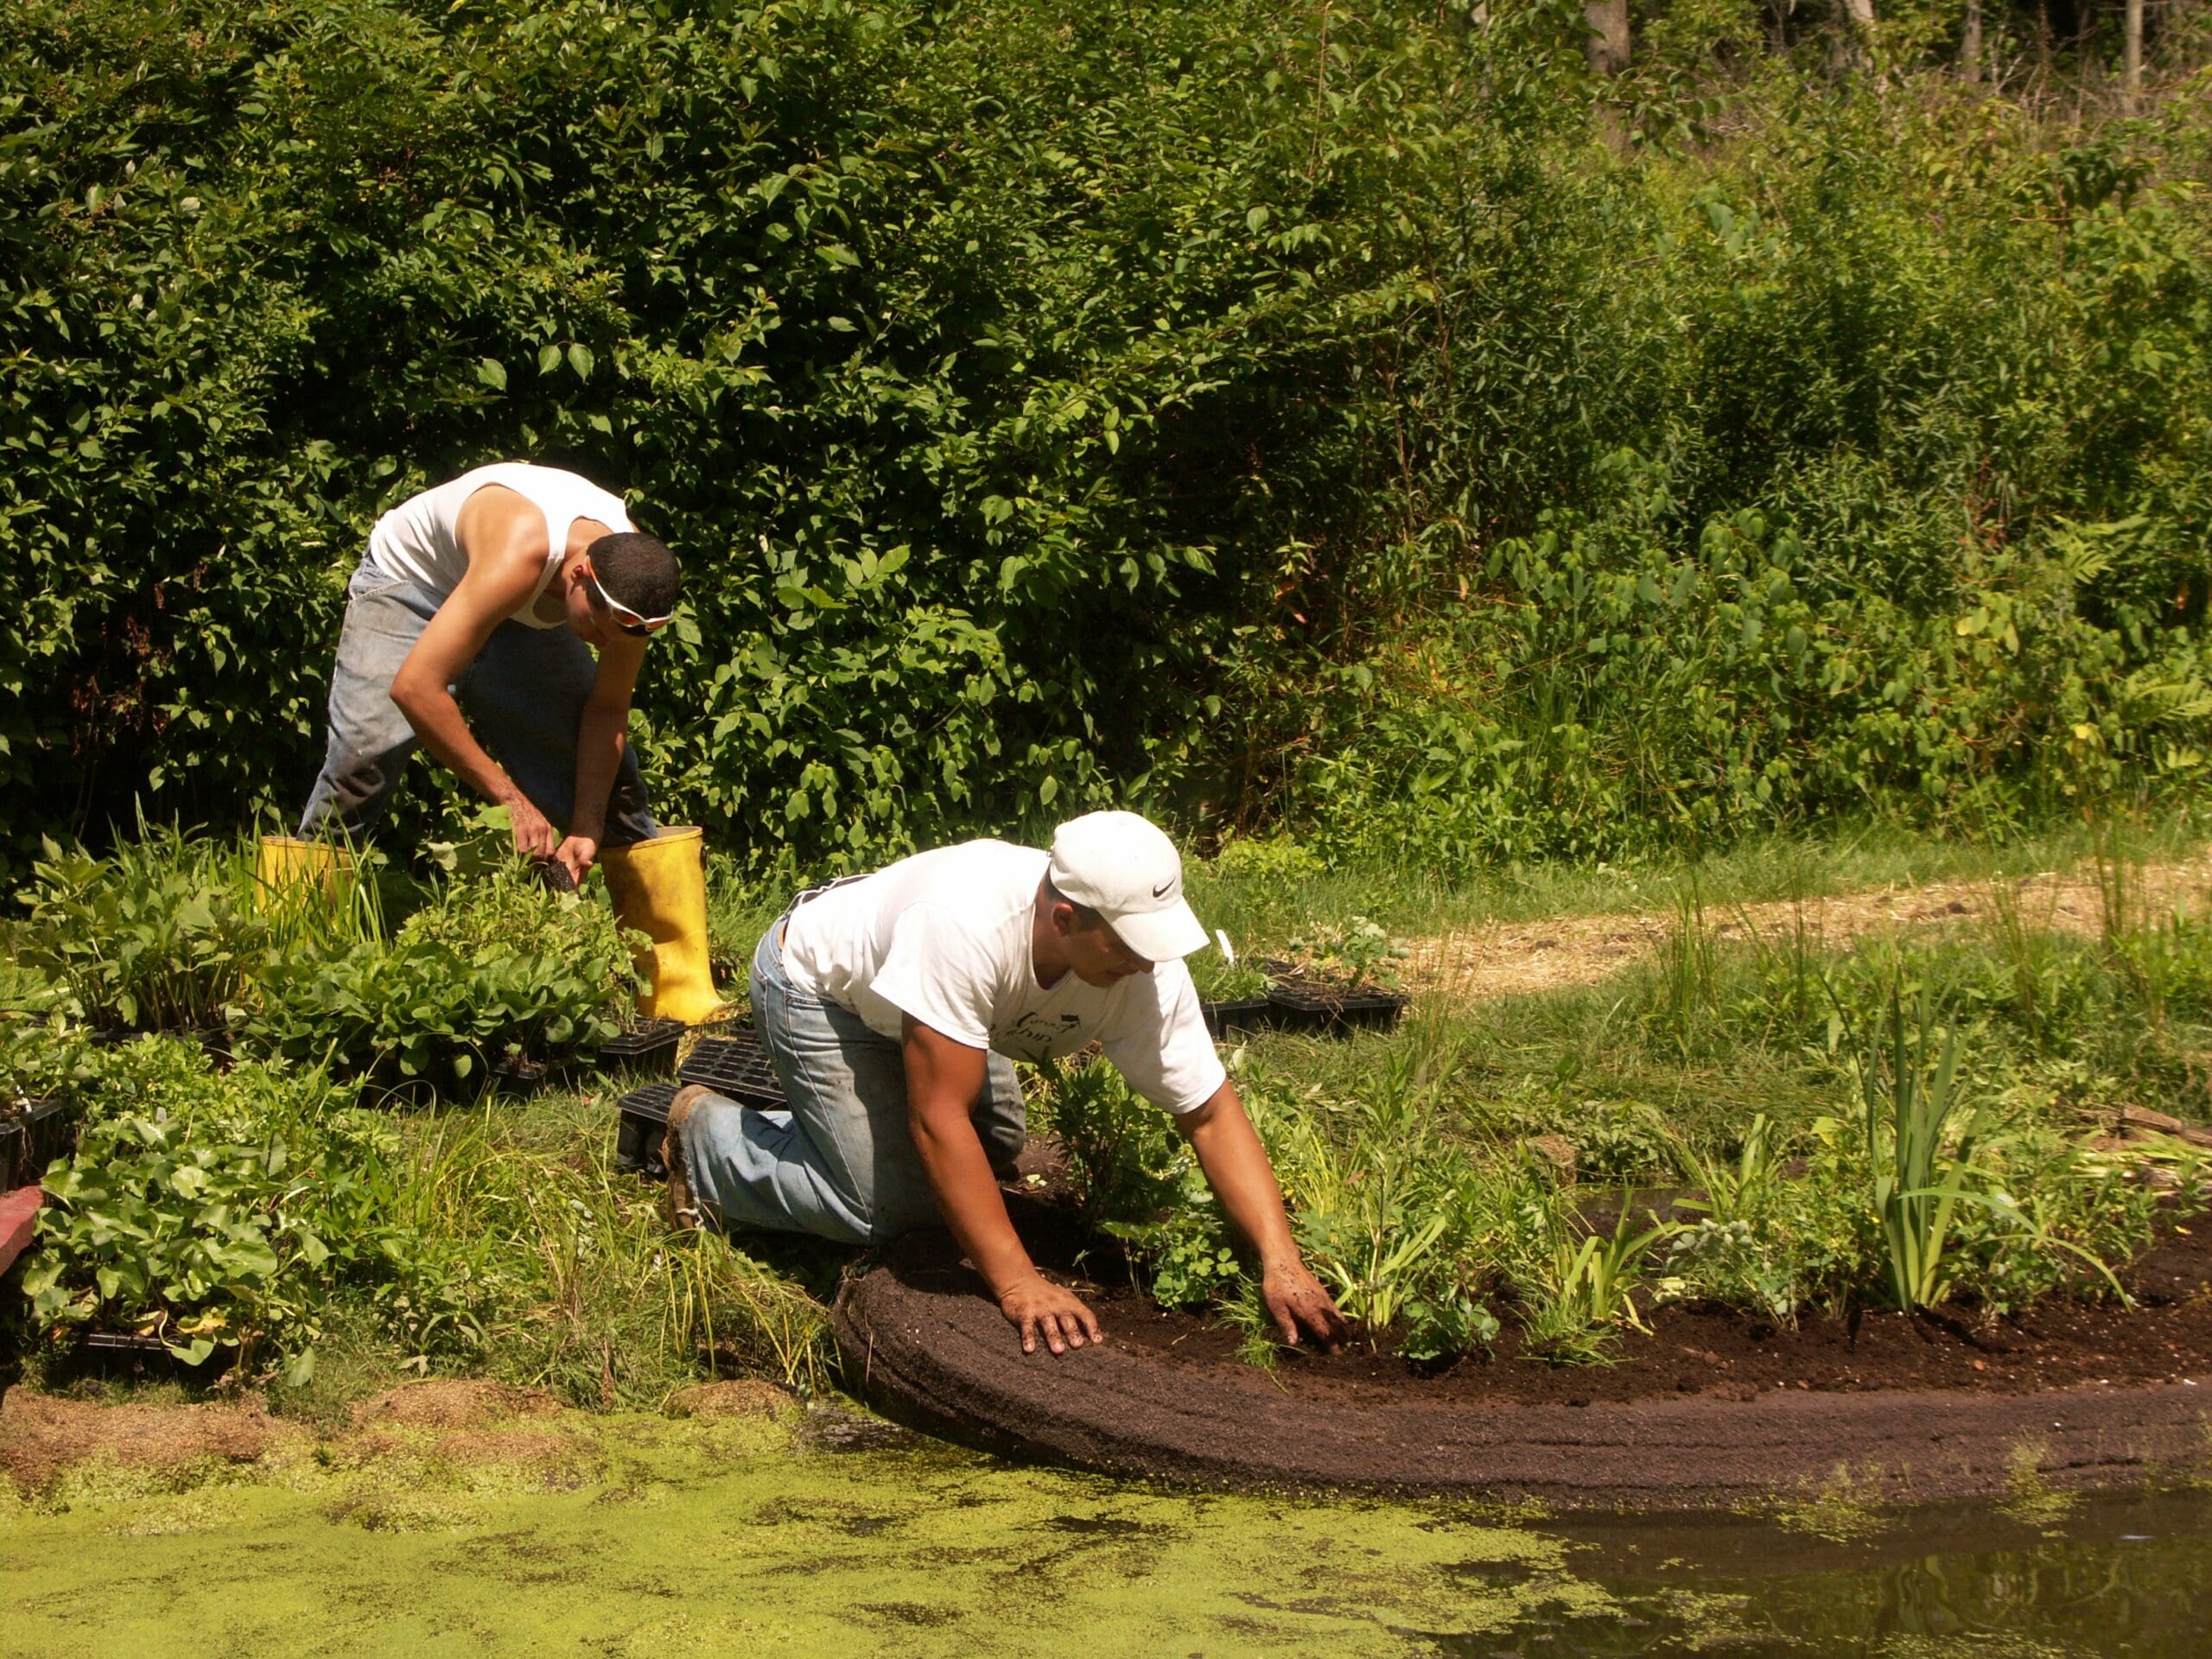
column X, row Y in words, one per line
column 1709, row 1408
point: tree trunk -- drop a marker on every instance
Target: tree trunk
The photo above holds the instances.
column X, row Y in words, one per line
column 1858, row 33
column 1970, row 44
column 2132, row 57
column 1608, row 42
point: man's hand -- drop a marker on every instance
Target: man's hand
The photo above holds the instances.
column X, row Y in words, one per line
column 1300, row 1307
column 534, row 836
column 1036, row 1306
column 577, row 854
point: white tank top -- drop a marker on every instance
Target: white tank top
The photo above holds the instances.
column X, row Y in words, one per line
column 417, row 540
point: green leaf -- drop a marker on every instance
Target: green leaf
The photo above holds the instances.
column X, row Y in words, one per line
column 491, row 372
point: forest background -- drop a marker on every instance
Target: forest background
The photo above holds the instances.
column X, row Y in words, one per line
column 1476, row 432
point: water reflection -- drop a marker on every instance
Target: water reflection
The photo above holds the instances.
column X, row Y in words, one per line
column 2121, row 1577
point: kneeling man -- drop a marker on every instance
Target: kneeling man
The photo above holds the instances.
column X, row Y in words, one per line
column 890, row 1005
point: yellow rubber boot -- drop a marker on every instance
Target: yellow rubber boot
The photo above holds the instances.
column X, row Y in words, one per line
column 285, row 862
column 659, row 888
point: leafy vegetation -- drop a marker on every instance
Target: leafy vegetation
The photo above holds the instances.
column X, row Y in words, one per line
column 1371, row 421
column 228, row 1210
column 1436, row 1176
column 175, row 933
column 489, row 970
column 162, row 936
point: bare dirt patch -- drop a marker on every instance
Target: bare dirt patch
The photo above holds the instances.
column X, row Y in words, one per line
column 452, row 1402
column 1521, row 959
column 40, row 1436
column 454, row 1424
column 743, row 1397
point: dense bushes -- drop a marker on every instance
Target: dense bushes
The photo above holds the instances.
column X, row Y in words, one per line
column 1271, row 409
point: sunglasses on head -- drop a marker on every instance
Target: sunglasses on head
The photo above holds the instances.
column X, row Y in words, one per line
column 626, row 619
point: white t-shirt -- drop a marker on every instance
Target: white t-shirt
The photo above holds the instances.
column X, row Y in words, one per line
column 945, row 936
column 420, row 539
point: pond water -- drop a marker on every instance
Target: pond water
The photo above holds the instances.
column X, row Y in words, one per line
column 645, row 1541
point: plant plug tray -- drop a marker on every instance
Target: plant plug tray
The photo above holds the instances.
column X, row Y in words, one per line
column 736, row 1066
column 642, row 1116
column 1239, row 1015
column 1301, row 1003
column 33, row 1133
column 648, row 1047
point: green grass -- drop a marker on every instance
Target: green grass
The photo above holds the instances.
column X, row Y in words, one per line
column 1265, row 894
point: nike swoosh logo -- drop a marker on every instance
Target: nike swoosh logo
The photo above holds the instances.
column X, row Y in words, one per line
column 1161, row 891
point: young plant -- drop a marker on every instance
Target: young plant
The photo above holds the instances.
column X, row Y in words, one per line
column 1589, row 1288
column 225, row 1211
column 489, row 970
column 1358, row 953
column 1925, row 1168
column 1385, row 1212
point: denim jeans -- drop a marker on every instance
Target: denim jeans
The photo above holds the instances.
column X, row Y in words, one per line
column 840, row 1163
column 524, row 697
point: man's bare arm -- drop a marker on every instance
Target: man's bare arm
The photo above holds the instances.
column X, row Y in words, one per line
column 505, row 563
column 602, row 733
column 1237, row 1167
column 943, row 1080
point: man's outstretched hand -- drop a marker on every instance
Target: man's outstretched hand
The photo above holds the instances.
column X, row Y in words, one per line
column 1037, row 1307
column 1301, row 1308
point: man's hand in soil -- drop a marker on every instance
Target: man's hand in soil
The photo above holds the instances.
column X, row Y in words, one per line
column 1238, row 1169
column 1301, row 1308
column 1038, row 1307
column 943, row 1078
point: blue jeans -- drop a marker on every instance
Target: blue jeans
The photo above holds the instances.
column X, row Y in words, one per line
column 840, row 1163
column 524, row 696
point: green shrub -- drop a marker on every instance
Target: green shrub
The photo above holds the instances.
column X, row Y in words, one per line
column 226, row 1211
column 490, row 970
column 1241, row 403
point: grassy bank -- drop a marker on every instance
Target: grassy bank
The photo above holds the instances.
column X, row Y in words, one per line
column 1440, row 1175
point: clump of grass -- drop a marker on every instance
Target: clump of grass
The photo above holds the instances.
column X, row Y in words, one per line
column 589, row 1294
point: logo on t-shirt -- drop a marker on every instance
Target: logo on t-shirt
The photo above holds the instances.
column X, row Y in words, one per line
column 1034, row 1036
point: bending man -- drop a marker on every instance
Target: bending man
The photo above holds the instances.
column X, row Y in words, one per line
column 489, row 594
column 889, row 1005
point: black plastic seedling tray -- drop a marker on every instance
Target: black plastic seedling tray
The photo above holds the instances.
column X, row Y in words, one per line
column 736, row 1066
column 1299, row 1003
column 649, row 1046
column 638, row 1132
column 33, row 1133
column 1241, row 1014
column 1317, row 1007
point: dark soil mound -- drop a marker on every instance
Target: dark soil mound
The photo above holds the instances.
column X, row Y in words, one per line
column 1712, row 1407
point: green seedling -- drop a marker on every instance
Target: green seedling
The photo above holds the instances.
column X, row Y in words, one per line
column 1924, row 1167
column 1589, row 1287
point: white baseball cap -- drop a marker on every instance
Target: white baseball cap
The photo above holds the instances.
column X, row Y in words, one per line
column 1123, row 866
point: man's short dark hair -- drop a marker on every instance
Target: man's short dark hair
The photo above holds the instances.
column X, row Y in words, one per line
column 636, row 571
column 1085, row 917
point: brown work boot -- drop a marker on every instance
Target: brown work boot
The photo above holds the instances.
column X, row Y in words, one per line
column 681, row 1204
